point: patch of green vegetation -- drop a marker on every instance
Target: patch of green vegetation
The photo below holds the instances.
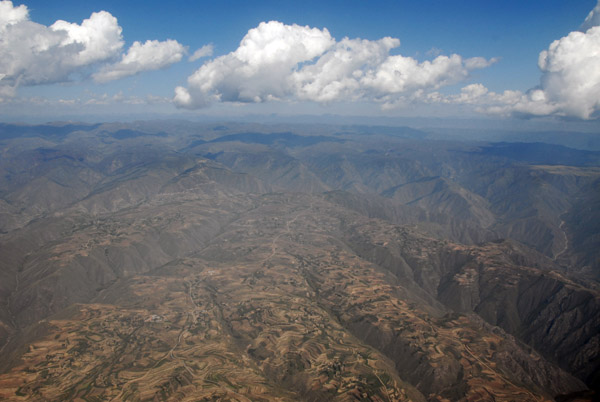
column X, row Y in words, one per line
column 385, row 378
column 19, row 392
column 365, row 354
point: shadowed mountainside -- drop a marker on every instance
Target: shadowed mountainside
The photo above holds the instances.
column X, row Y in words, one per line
column 230, row 262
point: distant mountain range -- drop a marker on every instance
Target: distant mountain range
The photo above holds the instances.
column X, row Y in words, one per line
column 188, row 261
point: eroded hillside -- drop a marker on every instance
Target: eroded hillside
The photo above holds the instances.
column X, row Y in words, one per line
column 252, row 263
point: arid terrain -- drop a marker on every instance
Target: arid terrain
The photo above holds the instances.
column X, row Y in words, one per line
column 186, row 261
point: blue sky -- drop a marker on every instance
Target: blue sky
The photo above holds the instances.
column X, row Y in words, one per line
column 454, row 58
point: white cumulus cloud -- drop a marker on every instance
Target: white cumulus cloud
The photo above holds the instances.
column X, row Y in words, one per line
column 569, row 85
column 571, row 73
column 151, row 55
column 10, row 15
column 204, row 51
column 258, row 69
column 343, row 71
column 32, row 53
column 289, row 62
column 98, row 38
column 593, row 18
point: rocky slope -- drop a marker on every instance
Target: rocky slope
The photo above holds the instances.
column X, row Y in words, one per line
column 219, row 262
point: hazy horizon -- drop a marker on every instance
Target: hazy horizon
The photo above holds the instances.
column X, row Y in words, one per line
column 469, row 60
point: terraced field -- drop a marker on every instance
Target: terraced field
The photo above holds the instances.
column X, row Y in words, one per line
column 300, row 268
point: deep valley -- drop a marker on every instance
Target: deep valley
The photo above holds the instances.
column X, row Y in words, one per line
column 230, row 261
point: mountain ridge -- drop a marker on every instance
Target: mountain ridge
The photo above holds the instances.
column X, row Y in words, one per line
column 369, row 267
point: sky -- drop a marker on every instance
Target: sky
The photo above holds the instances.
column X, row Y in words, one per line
column 501, row 59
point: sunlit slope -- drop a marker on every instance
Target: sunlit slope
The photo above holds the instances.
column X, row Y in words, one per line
column 207, row 261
